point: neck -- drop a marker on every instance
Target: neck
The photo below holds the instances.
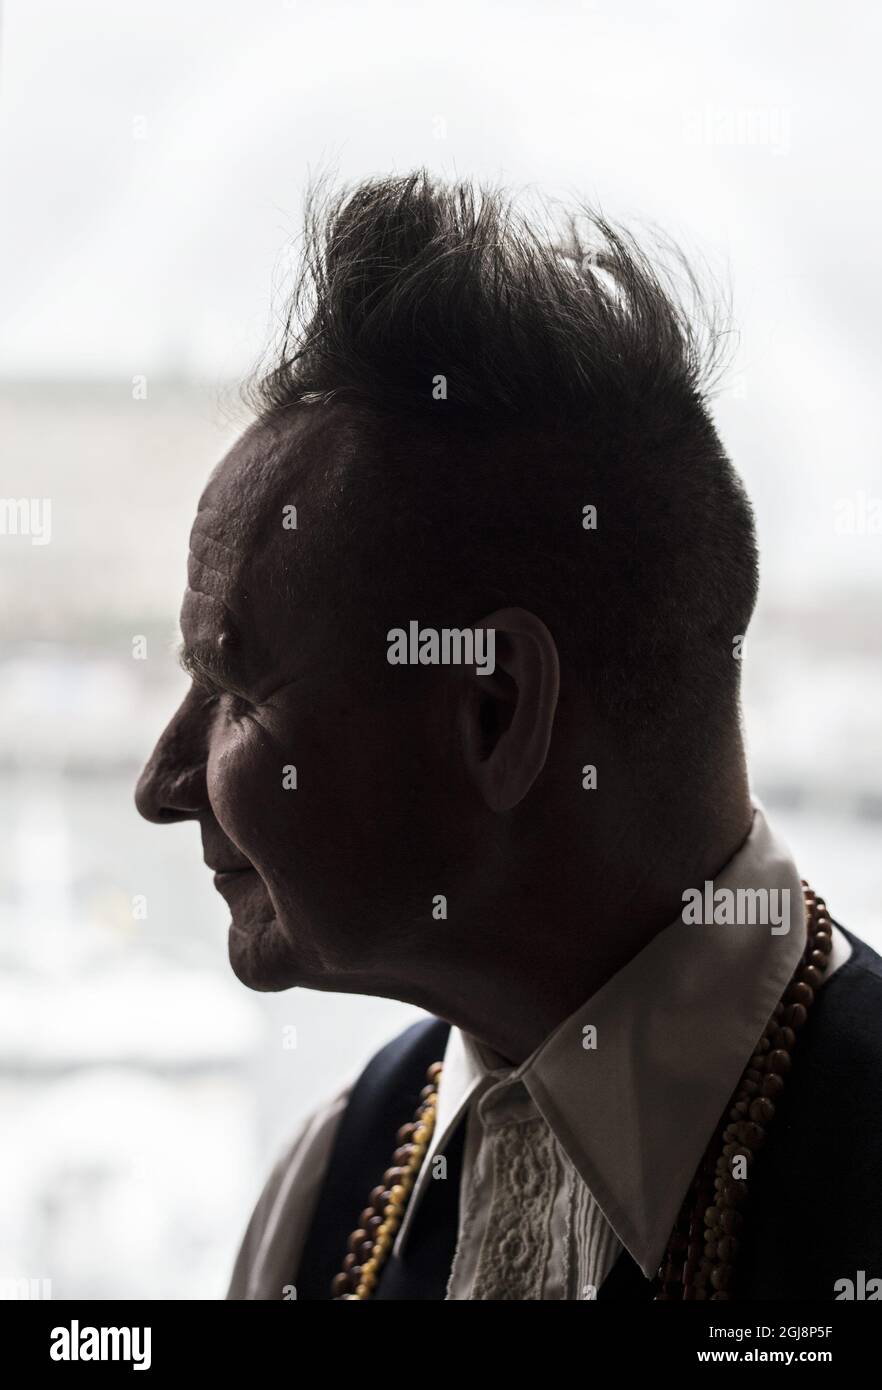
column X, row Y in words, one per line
column 532, row 957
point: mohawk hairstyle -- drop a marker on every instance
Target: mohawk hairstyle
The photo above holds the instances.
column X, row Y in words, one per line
column 526, row 317
column 578, row 370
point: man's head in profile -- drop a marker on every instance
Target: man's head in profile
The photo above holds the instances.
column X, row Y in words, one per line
column 472, row 427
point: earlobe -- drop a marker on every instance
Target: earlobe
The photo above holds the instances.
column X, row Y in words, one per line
column 508, row 715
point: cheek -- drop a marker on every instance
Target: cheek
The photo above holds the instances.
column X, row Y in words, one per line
column 284, row 788
column 368, row 822
column 238, row 776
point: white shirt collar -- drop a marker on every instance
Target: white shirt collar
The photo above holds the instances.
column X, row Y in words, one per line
column 675, row 1028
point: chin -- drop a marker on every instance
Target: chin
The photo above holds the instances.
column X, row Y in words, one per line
column 261, row 957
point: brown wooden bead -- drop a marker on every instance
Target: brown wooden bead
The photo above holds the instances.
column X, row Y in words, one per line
column 785, row 1038
column 356, row 1239
column 800, row 993
column 403, row 1155
column 366, row 1216
column 720, row 1277
column 818, row 959
column 427, row 1092
column 772, row 1086
column 727, row 1248
column 340, row 1285
column 377, row 1198
column 405, row 1134
column 823, row 945
column 762, row 1110
column 810, row 976
column 795, row 1015
column 348, row 1261
column 435, row 1071
column 393, row 1176
column 779, row 1061
column 365, row 1250
column 733, row 1151
column 752, row 1134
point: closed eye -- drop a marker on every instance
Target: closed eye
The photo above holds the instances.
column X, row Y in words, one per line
column 237, row 706
column 213, row 685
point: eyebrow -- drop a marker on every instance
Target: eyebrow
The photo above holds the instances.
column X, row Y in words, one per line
column 211, row 670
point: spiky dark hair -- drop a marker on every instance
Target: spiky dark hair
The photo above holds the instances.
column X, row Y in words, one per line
column 402, row 275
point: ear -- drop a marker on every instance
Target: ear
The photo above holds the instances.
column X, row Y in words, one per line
column 508, row 713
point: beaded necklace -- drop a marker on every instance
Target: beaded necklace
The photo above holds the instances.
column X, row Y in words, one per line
column 700, row 1260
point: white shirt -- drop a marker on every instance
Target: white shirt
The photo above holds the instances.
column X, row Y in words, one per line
column 591, row 1143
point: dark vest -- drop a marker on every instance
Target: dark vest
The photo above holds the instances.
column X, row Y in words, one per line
column 815, row 1213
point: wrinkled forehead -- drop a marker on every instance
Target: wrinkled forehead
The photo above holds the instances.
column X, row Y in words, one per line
column 246, row 539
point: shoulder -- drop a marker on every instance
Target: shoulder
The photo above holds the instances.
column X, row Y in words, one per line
column 843, row 1036
column 341, row 1133
column 816, row 1202
column 270, row 1247
column 835, row 1089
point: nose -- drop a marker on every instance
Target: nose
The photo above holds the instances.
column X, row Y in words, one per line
column 172, row 786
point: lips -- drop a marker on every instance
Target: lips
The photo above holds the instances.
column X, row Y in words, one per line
column 224, row 859
column 225, row 876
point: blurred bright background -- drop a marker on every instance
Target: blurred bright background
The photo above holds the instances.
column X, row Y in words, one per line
column 153, row 160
